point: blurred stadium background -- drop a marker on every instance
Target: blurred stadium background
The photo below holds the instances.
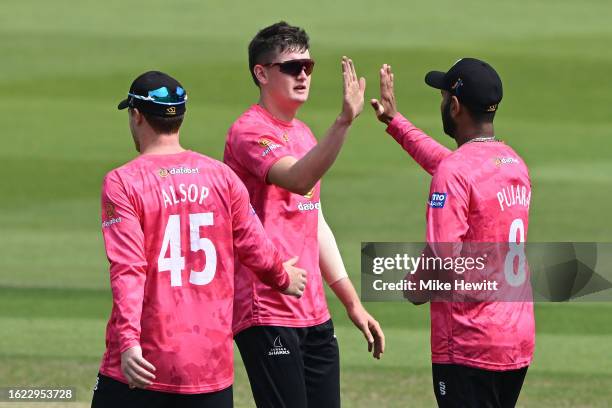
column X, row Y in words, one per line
column 64, row 66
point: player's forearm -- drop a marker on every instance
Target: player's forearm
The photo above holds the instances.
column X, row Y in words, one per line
column 252, row 245
column 268, row 266
column 127, row 286
column 308, row 170
column 424, row 150
column 330, row 260
column 256, row 251
column 346, row 293
column 332, row 267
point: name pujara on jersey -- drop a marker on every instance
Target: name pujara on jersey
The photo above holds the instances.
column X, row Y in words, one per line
column 513, row 195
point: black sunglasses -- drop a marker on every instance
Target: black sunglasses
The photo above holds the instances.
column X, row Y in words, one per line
column 294, row 67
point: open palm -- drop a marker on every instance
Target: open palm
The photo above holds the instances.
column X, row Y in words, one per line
column 354, row 91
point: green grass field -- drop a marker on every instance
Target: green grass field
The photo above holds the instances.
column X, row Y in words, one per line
column 65, row 65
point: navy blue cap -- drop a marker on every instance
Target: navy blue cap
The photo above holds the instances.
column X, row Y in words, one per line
column 156, row 93
column 474, row 82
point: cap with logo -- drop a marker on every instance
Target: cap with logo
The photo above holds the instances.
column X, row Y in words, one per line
column 156, row 93
column 474, row 82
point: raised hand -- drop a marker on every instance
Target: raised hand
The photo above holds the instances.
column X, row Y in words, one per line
column 354, row 90
column 297, row 278
column 385, row 108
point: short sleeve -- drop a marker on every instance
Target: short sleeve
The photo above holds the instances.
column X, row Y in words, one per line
column 258, row 150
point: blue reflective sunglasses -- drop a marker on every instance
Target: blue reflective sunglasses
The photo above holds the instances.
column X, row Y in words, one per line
column 163, row 97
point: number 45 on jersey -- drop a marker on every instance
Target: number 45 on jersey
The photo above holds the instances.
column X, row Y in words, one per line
column 176, row 263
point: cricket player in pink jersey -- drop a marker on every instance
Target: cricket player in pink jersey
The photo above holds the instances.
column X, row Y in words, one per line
column 173, row 222
column 288, row 345
column 480, row 193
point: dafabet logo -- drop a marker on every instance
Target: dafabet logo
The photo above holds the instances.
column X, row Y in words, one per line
column 177, row 170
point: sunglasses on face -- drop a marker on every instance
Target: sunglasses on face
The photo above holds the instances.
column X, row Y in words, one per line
column 294, row 67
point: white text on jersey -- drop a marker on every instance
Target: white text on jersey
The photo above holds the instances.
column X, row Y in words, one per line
column 191, row 193
column 513, row 195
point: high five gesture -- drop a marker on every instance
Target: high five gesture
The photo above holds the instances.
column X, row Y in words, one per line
column 354, row 90
column 385, row 108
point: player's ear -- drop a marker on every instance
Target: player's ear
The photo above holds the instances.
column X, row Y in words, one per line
column 455, row 107
column 137, row 117
column 261, row 74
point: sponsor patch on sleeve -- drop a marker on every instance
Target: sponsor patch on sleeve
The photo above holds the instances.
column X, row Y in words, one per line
column 109, row 209
column 110, row 214
column 437, row 200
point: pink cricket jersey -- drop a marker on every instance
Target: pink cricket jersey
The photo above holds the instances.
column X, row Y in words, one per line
column 173, row 225
column 479, row 193
column 254, row 143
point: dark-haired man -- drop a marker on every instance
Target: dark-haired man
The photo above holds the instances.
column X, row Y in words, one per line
column 289, row 347
column 480, row 350
column 173, row 220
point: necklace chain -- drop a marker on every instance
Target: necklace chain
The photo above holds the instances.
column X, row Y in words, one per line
column 482, row 139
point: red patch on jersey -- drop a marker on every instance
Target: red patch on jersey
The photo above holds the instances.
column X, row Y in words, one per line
column 109, row 209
